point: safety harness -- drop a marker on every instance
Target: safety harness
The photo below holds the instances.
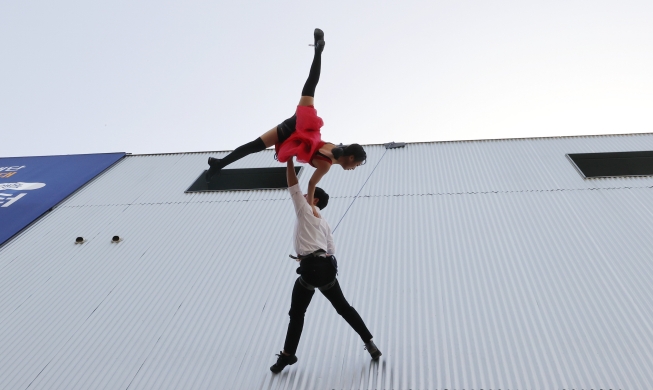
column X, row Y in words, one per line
column 317, row 253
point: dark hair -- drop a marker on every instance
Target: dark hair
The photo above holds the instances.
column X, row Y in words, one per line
column 323, row 197
column 350, row 150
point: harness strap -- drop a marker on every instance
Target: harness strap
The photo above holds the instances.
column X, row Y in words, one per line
column 309, row 286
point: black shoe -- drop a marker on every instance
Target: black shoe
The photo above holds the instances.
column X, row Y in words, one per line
column 373, row 350
column 282, row 362
column 318, row 35
column 214, row 168
column 319, row 46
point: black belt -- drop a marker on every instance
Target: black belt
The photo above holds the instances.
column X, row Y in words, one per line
column 317, row 253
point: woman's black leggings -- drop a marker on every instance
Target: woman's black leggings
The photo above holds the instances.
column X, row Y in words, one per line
column 284, row 129
column 313, row 74
column 301, row 298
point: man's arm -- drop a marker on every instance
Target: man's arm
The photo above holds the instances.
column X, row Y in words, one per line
column 331, row 247
column 293, row 187
column 291, row 176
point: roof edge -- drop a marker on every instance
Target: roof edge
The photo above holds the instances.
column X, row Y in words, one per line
column 426, row 142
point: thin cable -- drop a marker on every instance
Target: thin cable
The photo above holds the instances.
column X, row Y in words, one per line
column 359, row 191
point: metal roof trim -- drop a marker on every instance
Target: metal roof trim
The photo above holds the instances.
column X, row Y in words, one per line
column 421, row 142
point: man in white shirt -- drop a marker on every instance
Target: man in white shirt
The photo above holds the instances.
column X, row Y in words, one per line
column 318, row 268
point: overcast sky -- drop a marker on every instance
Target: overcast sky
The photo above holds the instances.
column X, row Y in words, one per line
column 162, row 76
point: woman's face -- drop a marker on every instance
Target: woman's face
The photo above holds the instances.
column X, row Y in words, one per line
column 349, row 163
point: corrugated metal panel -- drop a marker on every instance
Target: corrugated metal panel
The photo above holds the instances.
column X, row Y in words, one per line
column 495, row 285
column 164, row 178
column 503, row 165
column 515, row 290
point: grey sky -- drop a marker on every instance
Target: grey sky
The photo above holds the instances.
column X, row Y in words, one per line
column 161, row 76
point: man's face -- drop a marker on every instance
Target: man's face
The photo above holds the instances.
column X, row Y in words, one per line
column 315, row 200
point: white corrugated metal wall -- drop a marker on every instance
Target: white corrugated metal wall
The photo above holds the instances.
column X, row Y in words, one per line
column 476, row 265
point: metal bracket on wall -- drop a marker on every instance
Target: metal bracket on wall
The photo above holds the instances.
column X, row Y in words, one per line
column 394, row 145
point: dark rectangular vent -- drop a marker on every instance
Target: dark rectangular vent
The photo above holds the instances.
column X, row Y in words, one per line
column 243, row 179
column 592, row 165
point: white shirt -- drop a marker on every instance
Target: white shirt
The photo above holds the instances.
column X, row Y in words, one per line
column 311, row 233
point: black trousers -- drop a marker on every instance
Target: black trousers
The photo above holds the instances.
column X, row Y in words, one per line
column 318, row 272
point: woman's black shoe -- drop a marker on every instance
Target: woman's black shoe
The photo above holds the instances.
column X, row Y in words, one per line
column 214, row 168
column 319, row 46
column 282, row 362
column 318, row 35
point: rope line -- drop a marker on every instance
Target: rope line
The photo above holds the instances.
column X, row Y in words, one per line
column 359, row 191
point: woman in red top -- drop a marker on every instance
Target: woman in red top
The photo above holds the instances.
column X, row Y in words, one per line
column 300, row 136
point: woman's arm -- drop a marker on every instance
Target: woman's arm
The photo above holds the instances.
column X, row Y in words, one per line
column 321, row 168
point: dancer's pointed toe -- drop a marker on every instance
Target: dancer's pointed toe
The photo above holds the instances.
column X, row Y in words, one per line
column 318, row 34
column 214, row 168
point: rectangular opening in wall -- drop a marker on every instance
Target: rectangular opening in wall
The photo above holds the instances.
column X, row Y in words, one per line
column 243, row 179
column 593, row 165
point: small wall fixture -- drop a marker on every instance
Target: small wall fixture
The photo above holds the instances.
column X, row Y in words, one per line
column 79, row 240
column 115, row 239
column 395, row 145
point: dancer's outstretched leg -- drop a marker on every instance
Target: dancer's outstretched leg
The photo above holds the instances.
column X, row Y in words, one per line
column 216, row 164
column 314, row 73
column 337, row 299
column 274, row 136
column 301, row 298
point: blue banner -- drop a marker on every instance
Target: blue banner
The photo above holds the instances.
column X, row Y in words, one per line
column 30, row 186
